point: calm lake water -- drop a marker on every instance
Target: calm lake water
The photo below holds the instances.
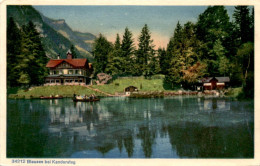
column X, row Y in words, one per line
column 177, row 127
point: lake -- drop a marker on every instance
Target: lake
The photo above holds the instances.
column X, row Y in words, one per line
column 118, row 127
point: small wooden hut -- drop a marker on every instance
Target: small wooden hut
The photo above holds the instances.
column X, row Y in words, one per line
column 130, row 89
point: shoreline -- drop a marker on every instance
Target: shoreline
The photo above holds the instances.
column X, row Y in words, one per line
column 150, row 94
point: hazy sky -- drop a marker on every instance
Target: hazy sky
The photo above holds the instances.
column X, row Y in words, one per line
column 110, row 20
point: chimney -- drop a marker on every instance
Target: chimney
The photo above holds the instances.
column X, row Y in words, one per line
column 69, row 55
column 58, row 56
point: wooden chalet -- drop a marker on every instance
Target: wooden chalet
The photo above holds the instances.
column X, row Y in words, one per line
column 69, row 71
column 213, row 83
column 130, row 89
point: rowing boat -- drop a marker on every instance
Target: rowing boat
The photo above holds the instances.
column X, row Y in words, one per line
column 85, row 100
column 46, row 97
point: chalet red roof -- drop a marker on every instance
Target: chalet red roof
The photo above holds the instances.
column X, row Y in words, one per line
column 219, row 79
column 73, row 62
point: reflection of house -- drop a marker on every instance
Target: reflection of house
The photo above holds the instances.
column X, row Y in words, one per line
column 214, row 104
column 211, row 83
column 68, row 71
column 130, row 89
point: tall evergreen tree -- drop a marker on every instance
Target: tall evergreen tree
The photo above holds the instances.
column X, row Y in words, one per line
column 13, row 50
column 173, row 75
column 102, row 49
column 184, row 54
column 128, row 50
column 252, row 26
column 117, row 44
column 127, row 44
column 213, row 29
column 145, row 52
column 33, row 58
column 116, row 62
column 243, row 23
column 73, row 52
column 163, row 60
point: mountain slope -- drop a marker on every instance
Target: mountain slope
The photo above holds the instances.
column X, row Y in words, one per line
column 54, row 42
column 77, row 38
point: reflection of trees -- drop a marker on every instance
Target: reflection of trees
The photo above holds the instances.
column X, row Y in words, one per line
column 194, row 140
column 25, row 136
column 147, row 136
column 90, row 116
column 119, row 140
column 105, row 148
column 129, row 144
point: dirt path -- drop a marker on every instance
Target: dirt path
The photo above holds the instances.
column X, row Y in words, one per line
column 97, row 90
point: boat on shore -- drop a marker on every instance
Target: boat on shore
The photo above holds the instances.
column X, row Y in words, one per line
column 86, row 100
column 51, row 97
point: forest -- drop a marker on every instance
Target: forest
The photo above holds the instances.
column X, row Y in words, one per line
column 215, row 45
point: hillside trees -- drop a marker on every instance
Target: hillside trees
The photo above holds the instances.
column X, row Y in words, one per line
column 27, row 58
column 13, row 50
column 212, row 46
column 145, row 53
column 73, row 51
column 244, row 23
column 212, row 30
column 102, row 48
column 128, row 50
column 116, row 63
column 183, row 51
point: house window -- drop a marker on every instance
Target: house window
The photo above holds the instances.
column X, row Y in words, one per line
column 80, row 80
column 52, row 81
column 70, row 71
column 76, row 71
column 47, row 81
column 60, row 72
column 57, row 81
column 76, row 80
column 67, row 80
column 56, row 72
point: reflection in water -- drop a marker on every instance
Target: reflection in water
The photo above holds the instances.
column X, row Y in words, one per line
column 123, row 127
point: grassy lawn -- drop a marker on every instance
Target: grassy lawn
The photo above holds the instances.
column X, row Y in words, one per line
column 234, row 92
column 66, row 91
column 143, row 85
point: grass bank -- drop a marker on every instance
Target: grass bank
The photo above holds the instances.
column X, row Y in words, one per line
column 143, row 85
column 36, row 92
column 234, row 92
column 117, row 86
column 147, row 87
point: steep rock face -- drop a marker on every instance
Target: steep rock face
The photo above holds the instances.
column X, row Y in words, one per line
column 54, row 42
column 77, row 38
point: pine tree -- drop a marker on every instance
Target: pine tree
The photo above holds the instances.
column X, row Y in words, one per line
column 73, row 52
column 252, row 26
column 32, row 58
column 102, row 49
column 115, row 60
column 163, row 60
column 174, row 50
column 243, row 22
column 213, row 29
column 145, row 52
column 183, row 52
column 13, row 51
column 128, row 50
column 127, row 44
column 117, row 44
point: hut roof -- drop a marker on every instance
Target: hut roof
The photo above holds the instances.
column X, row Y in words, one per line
column 220, row 79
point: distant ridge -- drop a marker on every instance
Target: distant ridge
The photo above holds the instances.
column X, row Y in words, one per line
column 57, row 36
